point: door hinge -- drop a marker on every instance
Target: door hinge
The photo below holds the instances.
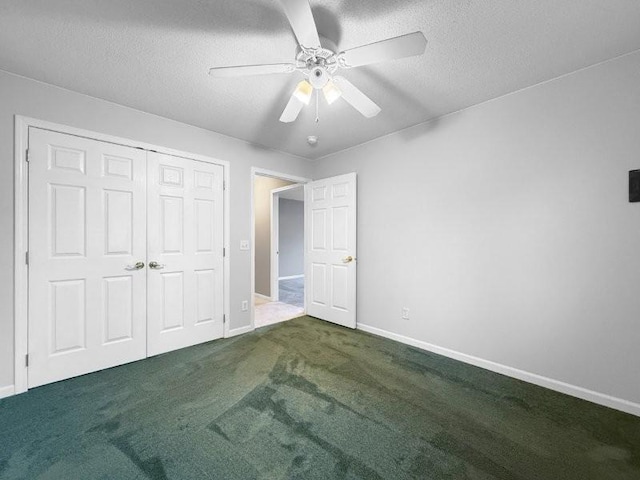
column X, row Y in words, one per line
column 224, row 185
column 26, row 360
column 224, row 252
column 26, row 155
column 26, row 258
column 224, row 318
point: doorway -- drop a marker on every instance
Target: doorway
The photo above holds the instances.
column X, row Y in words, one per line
column 287, row 245
column 278, row 240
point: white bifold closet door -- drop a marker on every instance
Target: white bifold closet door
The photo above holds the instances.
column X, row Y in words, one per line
column 87, row 230
column 125, row 254
column 185, row 275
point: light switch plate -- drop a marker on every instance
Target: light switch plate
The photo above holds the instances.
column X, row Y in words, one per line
column 244, row 244
column 634, row 186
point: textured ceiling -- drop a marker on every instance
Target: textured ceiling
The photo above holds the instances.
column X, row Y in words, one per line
column 153, row 55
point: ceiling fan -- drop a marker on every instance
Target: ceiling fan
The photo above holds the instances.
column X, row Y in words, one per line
column 318, row 62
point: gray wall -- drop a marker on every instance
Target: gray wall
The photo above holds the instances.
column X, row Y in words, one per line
column 34, row 99
column 291, row 230
column 506, row 229
column 262, row 202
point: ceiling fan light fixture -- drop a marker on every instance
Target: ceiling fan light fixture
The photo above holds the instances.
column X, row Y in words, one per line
column 331, row 92
column 319, row 60
column 303, row 92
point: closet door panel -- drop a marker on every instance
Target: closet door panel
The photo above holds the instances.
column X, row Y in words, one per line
column 87, row 230
column 185, row 277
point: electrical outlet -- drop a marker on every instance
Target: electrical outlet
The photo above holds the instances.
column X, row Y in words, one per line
column 405, row 313
column 245, row 306
column 244, row 244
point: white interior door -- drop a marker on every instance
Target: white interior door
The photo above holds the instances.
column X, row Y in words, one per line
column 185, row 252
column 330, row 260
column 87, row 305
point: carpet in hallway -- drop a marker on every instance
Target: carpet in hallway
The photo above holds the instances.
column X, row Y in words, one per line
column 291, row 291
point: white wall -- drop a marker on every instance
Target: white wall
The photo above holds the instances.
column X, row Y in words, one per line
column 291, row 241
column 262, row 212
column 505, row 228
column 33, row 99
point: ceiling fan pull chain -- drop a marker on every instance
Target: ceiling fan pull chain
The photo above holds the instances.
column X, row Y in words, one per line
column 317, row 106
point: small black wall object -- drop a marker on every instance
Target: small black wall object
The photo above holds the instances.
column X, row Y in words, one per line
column 634, row 186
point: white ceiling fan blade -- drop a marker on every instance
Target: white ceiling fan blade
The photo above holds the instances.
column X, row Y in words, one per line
column 301, row 19
column 390, row 49
column 247, row 70
column 292, row 110
column 356, row 98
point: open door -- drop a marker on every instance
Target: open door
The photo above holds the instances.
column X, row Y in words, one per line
column 330, row 260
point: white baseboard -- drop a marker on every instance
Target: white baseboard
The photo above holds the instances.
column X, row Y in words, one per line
column 7, row 391
column 291, row 277
column 239, row 331
column 562, row 387
column 266, row 297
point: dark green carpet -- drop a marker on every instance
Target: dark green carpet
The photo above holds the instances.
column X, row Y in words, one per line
column 309, row 400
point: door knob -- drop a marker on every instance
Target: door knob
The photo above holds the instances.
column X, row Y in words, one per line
column 348, row 259
column 156, row 265
column 136, row 266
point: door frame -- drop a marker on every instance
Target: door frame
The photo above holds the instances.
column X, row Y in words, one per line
column 275, row 237
column 256, row 171
column 21, row 227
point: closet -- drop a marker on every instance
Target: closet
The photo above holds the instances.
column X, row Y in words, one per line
column 125, row 254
